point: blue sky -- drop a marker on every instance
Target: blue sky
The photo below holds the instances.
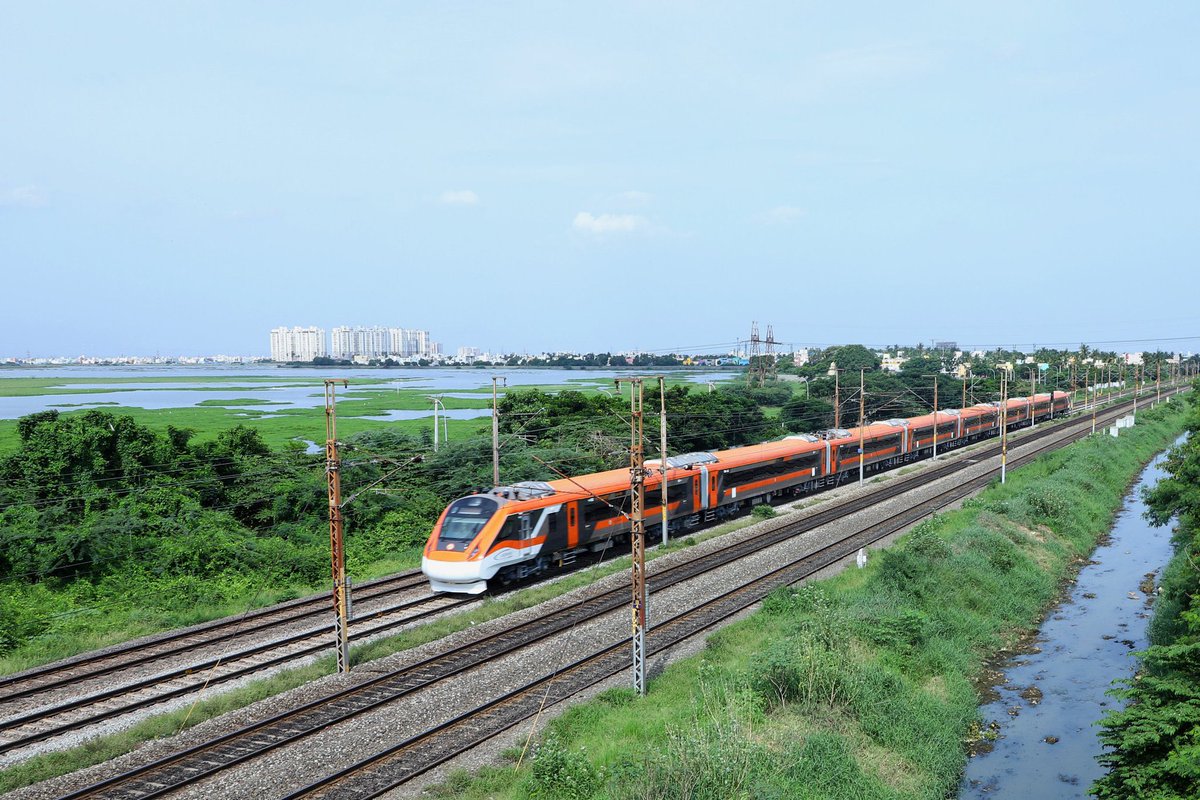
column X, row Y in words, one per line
column 182, row 177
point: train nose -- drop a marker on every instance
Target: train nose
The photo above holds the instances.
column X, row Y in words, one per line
column 458, row 577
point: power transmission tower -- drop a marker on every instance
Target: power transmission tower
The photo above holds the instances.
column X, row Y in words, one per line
column 755, row 355
column 662, row 428
column 637, row 534
column 337, row 550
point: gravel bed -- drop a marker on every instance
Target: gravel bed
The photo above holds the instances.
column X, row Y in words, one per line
column 318, row 755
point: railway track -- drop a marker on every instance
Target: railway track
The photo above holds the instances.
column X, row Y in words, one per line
column 209, row 758
column 38, row 723
column 50, row 676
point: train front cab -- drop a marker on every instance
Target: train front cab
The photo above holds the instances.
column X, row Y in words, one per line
column 450, row 560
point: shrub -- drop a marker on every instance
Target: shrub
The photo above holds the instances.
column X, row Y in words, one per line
column 560, row 774
column 763, row 511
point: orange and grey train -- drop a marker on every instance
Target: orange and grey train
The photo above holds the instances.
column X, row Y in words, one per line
column 529, row 528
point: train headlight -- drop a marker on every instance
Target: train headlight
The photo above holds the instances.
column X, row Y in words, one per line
column 474, row 552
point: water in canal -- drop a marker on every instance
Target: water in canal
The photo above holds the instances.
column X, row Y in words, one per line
column 1052, row 697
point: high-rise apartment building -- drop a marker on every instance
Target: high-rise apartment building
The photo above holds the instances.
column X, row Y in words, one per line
column 369, row 342
column 297, row 343
column 349, row 343
column 380, row 342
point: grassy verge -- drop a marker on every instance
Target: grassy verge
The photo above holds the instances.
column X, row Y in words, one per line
column 859, row 686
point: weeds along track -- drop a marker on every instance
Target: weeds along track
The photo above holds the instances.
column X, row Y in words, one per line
column 72, row 697
column 400, row 763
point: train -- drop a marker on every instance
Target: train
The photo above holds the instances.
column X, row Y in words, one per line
column 529, row 528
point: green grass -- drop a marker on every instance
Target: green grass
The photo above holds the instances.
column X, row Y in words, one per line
column 281, row 429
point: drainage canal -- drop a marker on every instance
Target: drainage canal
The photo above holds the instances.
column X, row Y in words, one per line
column 1041, row 720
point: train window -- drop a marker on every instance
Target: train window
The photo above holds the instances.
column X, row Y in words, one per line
column 773, row 469
column 923, row 433
column 552, row 524
column 466, row 517
column 598, row 511
column 675, row 492
column 511, row 532
column 947, row 427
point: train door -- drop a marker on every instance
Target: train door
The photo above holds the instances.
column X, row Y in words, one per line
column 573, row 524
column 700, row 487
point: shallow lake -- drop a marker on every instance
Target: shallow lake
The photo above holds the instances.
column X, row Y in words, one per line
column 279, row 385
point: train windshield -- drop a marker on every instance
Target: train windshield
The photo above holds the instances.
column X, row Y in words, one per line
column 466, row 518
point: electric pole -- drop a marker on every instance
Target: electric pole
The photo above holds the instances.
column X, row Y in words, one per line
column 1003, row 427
column 495, row 432
column 862, row 411
column 1094, row 392
column 837, row 403
column 637, row 534
column 438, row 402
column 337, row 550
column 1032, row 398
column 1158, row 380
column 662, row 429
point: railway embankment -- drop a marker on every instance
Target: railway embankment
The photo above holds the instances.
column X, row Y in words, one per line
column 865, row 684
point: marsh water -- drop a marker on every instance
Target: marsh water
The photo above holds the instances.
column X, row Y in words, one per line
column 287, row 387
column 1053, row 695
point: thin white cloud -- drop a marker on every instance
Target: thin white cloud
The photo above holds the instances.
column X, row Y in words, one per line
column 635, row 198
column 870, row 67
column 601, row 224
column 24, row 197
column 781, row 215
column 458, row 197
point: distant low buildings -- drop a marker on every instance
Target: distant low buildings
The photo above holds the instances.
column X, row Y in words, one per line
column 892, row 363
